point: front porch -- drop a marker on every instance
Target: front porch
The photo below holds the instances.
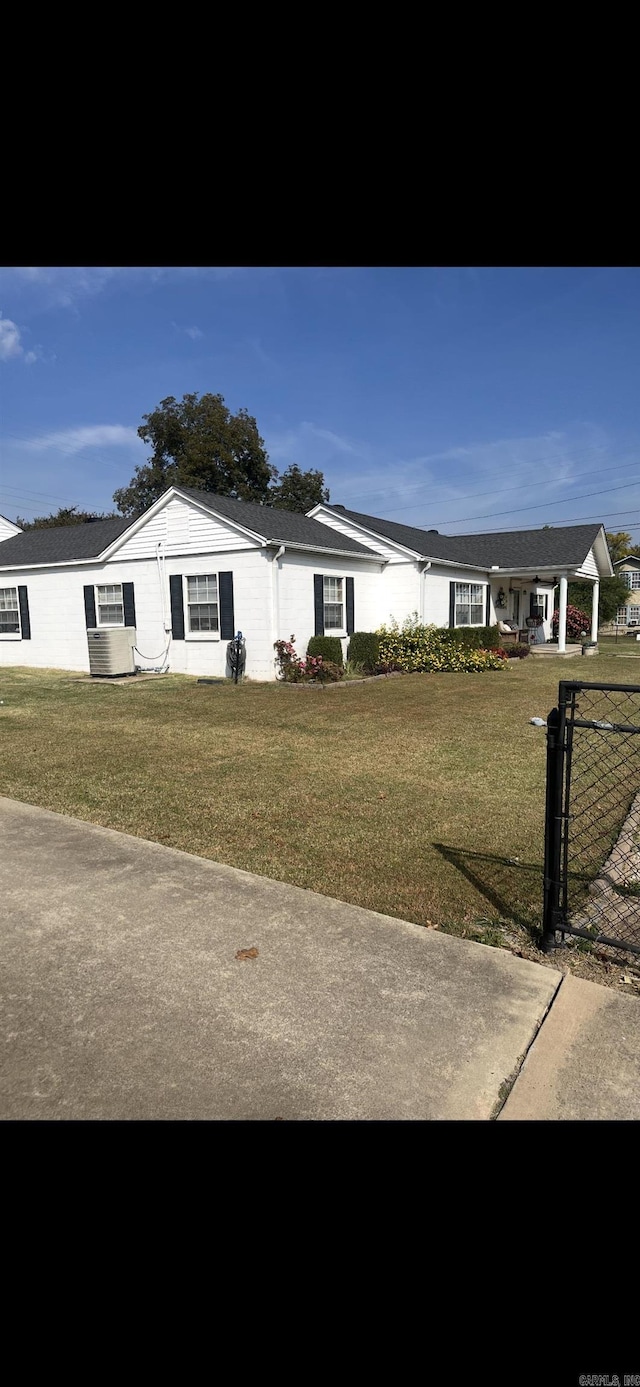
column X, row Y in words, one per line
column 528, row 603
column 552, row 649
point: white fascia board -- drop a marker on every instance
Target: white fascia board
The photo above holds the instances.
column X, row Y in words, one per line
column 371, row 557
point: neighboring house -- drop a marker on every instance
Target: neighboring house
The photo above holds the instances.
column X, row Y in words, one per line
column 195, row 568
column 628, row 569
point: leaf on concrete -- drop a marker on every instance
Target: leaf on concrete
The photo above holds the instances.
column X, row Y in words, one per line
column 247, row 953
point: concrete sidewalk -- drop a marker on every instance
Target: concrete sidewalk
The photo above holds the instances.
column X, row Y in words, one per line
column 122, row 995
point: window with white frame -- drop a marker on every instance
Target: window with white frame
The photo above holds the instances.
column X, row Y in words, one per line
column 9, row 612
column 539, row 604
column 470, row 604
column 333, row 597
column 632, row 578
column 202, row 602
column 109, row 604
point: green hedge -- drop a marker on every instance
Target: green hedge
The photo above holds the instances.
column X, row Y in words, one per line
column 329, row 647
column 414, row 647
column 364, row 648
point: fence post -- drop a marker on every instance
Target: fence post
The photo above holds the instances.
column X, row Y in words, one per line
column 553, row 829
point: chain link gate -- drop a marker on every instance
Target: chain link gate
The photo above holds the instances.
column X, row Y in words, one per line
column 592, row 824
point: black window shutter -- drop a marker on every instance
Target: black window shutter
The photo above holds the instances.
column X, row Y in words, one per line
column 488, row 617
column 225, row 593
column 318, row 603
column 452, row 604
column 129, row 604
column 25, row 624
column 177, row 606
column 533, row 604
column 90, row 605
column 350, row 624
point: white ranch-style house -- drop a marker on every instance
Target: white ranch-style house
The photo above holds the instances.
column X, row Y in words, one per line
column 195, row 568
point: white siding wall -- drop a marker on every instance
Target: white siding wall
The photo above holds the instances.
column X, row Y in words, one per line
column 437, row 580
column 295, row 600
column 58, row 631
column 8, row 529
column 399, row 593
column 589, row 568
column 182, row 528
column 345, row 526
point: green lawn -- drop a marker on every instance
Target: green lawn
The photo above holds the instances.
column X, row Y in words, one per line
column 406, row 795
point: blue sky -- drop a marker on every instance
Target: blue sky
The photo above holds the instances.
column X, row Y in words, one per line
column 461, row 398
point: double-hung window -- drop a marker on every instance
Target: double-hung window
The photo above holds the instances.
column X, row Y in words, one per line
column 539, row 604
column 632, row 578
column 470, row 604
column 109, row 604
column 202, row 603
column 333, row 596
column 9, row 612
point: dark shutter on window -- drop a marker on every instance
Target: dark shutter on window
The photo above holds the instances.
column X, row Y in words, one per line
column 177, row 606
column 225, row 595
column 452, row 604
column 533, row 604
column 90, row 605
column 25, row 624
column 318, row 604
column 350, row 623
column 128, row 602
column 488, row 617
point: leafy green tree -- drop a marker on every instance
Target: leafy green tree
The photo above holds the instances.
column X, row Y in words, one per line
column 614, row 593
column 620, row 544
column 297, row 490
column 198, row 442
column 67, row 515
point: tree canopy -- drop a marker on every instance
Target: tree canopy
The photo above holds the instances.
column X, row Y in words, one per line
column 620, row 544
column 198, row 442
column 66, row 515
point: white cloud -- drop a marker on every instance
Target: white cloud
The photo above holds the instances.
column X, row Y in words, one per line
column 193, row 332
column 10, row 342
column 64, row 286
column 314, row 445
column 89, row 436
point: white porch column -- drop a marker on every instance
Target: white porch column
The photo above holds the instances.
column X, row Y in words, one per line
column 594, row 610
column 562, row 615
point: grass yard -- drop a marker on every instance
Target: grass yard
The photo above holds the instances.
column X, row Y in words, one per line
column 410, row 795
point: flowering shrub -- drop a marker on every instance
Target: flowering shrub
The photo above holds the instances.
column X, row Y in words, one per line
column 577, row 622
column 429, row 649
column 293, row 670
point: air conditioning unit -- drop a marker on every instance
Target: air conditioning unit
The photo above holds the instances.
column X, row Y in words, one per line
column 111, row 651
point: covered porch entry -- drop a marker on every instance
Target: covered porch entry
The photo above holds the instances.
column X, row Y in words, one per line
column 525, row 602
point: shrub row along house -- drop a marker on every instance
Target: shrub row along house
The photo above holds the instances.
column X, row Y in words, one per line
column 195, row 568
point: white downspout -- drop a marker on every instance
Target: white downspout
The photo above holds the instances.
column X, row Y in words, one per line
column 275, row 593
column 423, row 590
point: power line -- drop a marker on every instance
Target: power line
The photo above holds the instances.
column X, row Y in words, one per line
column 576, row 520
column 543, row 505
column 532, row 462
column 598, row 472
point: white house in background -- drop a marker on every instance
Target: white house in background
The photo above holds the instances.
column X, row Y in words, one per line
column 196, row 567
column 628, row 569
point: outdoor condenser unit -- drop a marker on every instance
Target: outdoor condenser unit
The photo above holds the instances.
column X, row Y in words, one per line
column 111, row 650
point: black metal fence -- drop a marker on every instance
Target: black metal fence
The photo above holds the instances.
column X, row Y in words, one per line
column 592, row 830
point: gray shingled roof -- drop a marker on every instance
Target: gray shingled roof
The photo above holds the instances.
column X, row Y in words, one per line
column 565, row 546
column 64, row 543
column 61, row 543
column 281, row 526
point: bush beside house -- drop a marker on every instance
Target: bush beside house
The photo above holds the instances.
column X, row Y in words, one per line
column 327, row 648
column 364, row 648
column 414, row 647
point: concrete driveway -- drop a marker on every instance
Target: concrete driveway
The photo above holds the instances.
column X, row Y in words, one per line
column 123, row 995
